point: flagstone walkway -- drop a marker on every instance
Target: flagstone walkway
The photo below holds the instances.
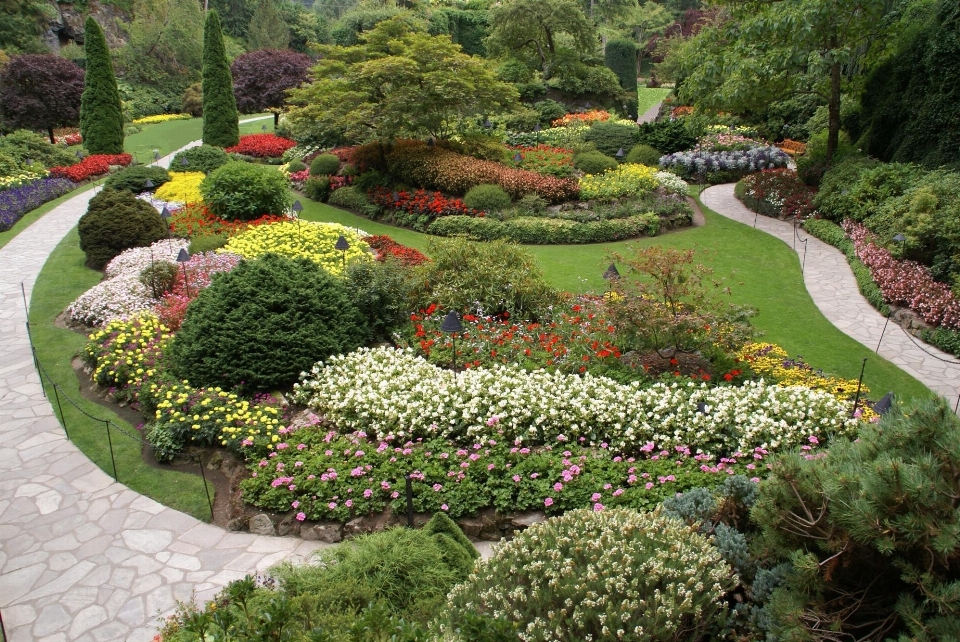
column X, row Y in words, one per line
column 834, row 290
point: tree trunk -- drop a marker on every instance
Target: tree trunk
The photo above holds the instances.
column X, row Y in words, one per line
column 833, row 110
column 276, row 120
column 53, row 141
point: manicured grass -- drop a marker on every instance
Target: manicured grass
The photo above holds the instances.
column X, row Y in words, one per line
column 647, row 98
column 62, row 279
column 762, row 272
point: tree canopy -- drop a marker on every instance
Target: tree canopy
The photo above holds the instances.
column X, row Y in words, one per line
column 101, row 114
column 40, row 92
column 398, row 81
column 539, row 27
column 267, row 29
column 261, row 78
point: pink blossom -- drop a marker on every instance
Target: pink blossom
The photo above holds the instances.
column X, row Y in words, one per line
column 301, row 517
column 548, row 501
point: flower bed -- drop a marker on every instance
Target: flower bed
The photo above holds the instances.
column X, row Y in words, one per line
column 23, row 177
column 90, row 166
column 778, row 193
column 626, row 180
column 314, row 241
column 544, row 159
column 905, row 283
column 183, row 187
column 387, row 247
column 577, row 118
column 430, row 204
column 15, row 202
column 386, row 392
column 535, row 230
column 193, row 277
column 68, row 139
column 196, row 220
column 262, row 146
column 160, row 118
column 723, row 166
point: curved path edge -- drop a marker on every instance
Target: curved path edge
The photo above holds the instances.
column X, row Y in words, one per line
column 833, row 288
column 83, row 558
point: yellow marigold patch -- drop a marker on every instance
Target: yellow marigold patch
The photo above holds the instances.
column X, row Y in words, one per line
column 184, row 187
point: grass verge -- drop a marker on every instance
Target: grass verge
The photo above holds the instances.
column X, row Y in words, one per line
column 63, row 278
column 647, row 97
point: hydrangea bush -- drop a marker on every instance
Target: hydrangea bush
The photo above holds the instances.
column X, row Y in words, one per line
column 387, row 392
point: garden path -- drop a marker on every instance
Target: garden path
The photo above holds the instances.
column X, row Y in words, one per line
column 650, row 115
column 831, row 284
column 82, row 558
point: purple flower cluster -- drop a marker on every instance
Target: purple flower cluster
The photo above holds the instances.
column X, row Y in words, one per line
column 17, row 201
column 694, row 163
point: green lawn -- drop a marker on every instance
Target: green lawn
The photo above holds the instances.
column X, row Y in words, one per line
column 62, row 279
column 648, row 97
column 762, row 271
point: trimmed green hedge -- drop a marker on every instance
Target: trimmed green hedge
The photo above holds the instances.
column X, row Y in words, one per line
column 546, row 231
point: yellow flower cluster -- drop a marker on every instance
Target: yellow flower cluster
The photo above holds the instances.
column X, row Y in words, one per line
column 629, row 179
column 212, row 415
column 184, row 187
column 771, row 362
column 314, row 241
column 122, row 352
column 161, row 118
column 22, row 177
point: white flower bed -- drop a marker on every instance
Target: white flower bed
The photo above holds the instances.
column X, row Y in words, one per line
column 671, row 182
column 120, row 294
column 385, row 391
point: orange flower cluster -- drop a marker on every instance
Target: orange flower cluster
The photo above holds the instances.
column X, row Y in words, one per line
column 582, row 118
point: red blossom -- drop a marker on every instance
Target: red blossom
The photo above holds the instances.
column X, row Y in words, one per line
column 92, row 165
column 262, row 145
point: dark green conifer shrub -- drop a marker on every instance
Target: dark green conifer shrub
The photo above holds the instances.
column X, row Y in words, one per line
column 258, row 327
column 202, row 158
column 620, row 56
column 134, row 178
column 296, row 165
column 457, row 551
column 24, row 144
column 380, row 289
column 667, row 136
column 317, row 188
column 220, row 117
column 101, row 114
column 324, row 165
column 612, row 137
column 241, row 191
column 116, row 221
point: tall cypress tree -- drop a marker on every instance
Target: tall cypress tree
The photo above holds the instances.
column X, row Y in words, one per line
column 220, row 118
column 101, row 114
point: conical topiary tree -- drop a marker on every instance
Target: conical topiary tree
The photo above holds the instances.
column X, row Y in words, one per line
column 101, row 114
column 220, row 117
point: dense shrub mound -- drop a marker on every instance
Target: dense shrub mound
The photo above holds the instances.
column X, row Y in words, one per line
column 240, row 191
column 262, row 324
column 116, row 221
column 203, row 158
column 134, row 179
column 598, row 573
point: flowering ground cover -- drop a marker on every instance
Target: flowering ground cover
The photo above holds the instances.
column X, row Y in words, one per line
column 387, row 247
column 262, row 146
column 778, row 193
column 197, row 220
column 723, row 165
column 314, row 241
column 429, row 204
column 183, row 187
column 544, row 159
column 574, row 118
column 90, row 166
column 626, row 180
column 160, row 118
column 15, row 202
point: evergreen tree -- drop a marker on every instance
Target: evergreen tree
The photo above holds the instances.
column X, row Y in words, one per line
column 101, row 114
column 267, row 29
column 220, row 118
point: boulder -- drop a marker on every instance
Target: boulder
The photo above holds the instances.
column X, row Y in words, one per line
column 261, row 524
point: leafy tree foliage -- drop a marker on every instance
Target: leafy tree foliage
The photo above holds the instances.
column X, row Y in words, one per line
column 101, row 114
column 539, row 28
column 267, row 29
column 765, row 51
column 236, row 15
column 220, row 119
column 621, row 57
column 261, row 79
column 40, row 91
column 21, row 23
column 397, row 81
column 164, row 46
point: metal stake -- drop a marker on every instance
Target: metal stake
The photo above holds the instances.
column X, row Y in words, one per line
column 856, row 399
column 63, row 419
column 106, row 422
column 203, row 476
column 409, row 501
column 881, row 334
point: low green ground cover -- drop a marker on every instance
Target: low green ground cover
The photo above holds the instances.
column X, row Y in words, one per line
column 647, row 97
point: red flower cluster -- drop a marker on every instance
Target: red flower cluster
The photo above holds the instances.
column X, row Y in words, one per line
column 905, row 283
column 196, row 220
column 386, row 246
column 262, row 145
column 436, row 168
column 782, row 192
column 336, row 182
column 68, row 138
column 297, row 179
column 421, row 202
column 93, row 165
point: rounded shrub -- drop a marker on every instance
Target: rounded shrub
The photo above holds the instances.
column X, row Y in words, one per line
column 317, row 188
column 296, row 165
column 159, row 278
column 134, row 178
column 487, row 198
column 351, row 198
column 203, row 158
column 115, row 221
column 261, row 325
column 241, row 191
column 612, row 137
column 593, row 162
column 324, row 165
column 643, row 155
column 601, row 575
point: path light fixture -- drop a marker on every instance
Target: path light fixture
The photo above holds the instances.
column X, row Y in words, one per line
column 701, row 407
column 182, row 259
column 79, row 153
column 29, row 162
column 488, row 124
column 343, row 246
column 395, row 196
column 586, row 105
column 899, row 238
column 183, row 161
column 536, row 130
column 883, row 406
column 297, row 208
column 620, row 154
column 612, row 273
column 517, row 158
column 165, row 216
column 856, row 399
column 264, row 128
column 430, row 142
column 409, row 487
column 148, row 185
column 451, row 325
column 156, row 154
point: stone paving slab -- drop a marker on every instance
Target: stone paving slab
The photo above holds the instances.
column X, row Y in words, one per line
column 831, row 284
column 83, row 558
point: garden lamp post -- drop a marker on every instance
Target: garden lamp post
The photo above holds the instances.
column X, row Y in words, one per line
column 899, row 238
column 343, row 246
column 264, row 128
column 883, row 406
column 297, row 208
column 856, row 399
column 156, row 154
column 29, row 162
column 148, row 185
column 451, row 325
column 80, row 154
column 488, row 125
column 620, row 155
column 165, row 217
column 183, row 161
column 517, row 158
column 536, row 130
column 610, row 275
column 182, row 259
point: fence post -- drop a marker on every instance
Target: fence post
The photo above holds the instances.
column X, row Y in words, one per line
column 63, row 419
column 106, row 422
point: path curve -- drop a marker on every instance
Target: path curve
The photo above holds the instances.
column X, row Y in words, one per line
column 83, row 558
column 831, row 284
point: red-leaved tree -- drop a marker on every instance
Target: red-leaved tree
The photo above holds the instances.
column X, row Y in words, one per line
column 40, row 92
column 261, row 79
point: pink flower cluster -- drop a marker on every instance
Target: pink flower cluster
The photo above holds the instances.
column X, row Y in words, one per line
column 905, row 283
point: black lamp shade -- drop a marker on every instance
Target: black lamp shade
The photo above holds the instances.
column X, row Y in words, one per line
column 899, row 238
column 183, row 161
column 587, row 105
column 536, row 127
column 29, row 162
column 451, row 323
column 883, row 406
column 342, row 244
column 297, row 206
column 612, row 273
column 701, row 407
column 488, row 124
column 183, row 256
column 396, row 197
column 620, row 153
column 156, row 155
column 264, row 128
column 517, row 157
column 148, row 184
column 430, row 142
column 165, row 213
column 79, row 153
